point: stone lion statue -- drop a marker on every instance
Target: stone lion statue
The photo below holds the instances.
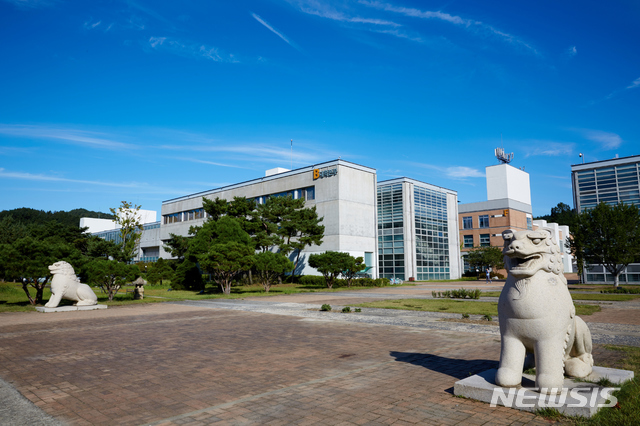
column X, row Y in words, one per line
column 65, row 285
column 537, row 317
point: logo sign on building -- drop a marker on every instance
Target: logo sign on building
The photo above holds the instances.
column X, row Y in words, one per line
column 317, row 174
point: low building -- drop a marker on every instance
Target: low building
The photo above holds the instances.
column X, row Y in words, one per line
column 150, row 248
column 343, row 193
column 560, row 234
column 417, row 231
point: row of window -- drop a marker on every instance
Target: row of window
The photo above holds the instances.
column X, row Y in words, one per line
column 483, row 222
column 485, row 240
column 308, row 193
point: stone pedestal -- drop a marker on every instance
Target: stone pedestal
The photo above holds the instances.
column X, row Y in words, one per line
column 578, row 398
column 69, row 308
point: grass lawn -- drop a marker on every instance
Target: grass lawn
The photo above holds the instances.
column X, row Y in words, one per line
column 628, row 410
column 587, row 296
column 13, row 299
column 455, row 306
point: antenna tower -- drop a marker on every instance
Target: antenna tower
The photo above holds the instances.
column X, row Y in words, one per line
column 502, row 157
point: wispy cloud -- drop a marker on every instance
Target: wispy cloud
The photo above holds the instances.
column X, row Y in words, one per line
column 91, row 25
column 45, row 178
column 31, row 4
column 74, row 136
column 607, row 140
column 149, row 12
column 454, row 172
column 635, row 84
column 571, row 52
column 470, row 24
column 536, row 147
column 324, row 10
column 276, row 32
column 212, row 163
column 195, row 50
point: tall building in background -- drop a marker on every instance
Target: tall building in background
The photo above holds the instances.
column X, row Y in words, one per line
column 417, row 231
column 612, row 181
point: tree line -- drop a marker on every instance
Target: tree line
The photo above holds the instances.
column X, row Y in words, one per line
column 31, row 240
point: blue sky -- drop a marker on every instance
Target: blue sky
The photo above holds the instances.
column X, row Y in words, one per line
column 104, row 101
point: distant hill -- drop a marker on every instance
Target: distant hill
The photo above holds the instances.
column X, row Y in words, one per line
column 70, row 218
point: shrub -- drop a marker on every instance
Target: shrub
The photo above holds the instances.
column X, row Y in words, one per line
column 488, row 317
column 346, row 309
column 458, row 294
column 325, row 307
column 358, row 310
column 465, row 316
column 314, row 280
column 623, row 290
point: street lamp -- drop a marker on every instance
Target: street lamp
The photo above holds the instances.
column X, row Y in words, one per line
column 582, row 156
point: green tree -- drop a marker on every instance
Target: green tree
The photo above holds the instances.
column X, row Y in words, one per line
column 330, row 264
column 178, row 246
column 270, row 266
column 562, row 214
column 223, row 249
column 111, row 275
column 301, row 230
column 609, row 236
column 351, row 267
column 127, row 216
column 481, row 257
column 159, row 271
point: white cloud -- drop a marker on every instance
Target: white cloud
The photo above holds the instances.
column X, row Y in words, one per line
column 273, row 30
column 535, row 147
column 91, row 25
column 607, row 140
column 454, row 172
column 635, row 84
column 572, row 51
column 323, row 10
column 75, row 136
column 196, row 50
column 453, row 19
column 45, row 178
column 212, row 163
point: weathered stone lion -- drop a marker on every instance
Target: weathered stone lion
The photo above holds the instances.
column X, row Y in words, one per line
column 537, row 315
column 65, row 285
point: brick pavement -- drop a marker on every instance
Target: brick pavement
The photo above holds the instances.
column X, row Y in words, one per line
column 171, row 364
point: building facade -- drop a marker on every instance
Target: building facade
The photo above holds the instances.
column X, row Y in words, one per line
column 342, row 192
column 611, row 181
column 417, row 231
column 150, row 248
column 508, row 206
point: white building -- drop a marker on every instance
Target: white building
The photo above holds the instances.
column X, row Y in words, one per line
column 150, row 248
column 343, row 193
column 560, row 234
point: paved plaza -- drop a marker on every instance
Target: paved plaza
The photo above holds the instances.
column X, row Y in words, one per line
column 257, row 361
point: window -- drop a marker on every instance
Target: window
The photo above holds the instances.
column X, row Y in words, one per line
column 485, row 240
column 468, row 241
column 529, row 223
column 467, row 222
column 311, row 193
column 483, row 221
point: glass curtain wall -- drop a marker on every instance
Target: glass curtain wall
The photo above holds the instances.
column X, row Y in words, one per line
column 390, row 232
column 432, row 235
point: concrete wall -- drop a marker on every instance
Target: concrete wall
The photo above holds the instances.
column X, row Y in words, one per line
column 505, row 181
column 345, row 201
